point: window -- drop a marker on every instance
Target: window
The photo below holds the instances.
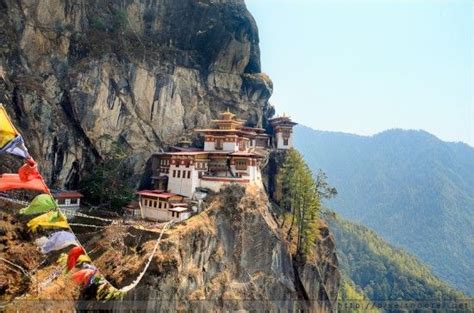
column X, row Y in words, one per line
column 61, row 201
column 155, row 204
column 241, row 164
column 174, row 173
column 179, row 174
column 219, row 145
column 74, row 201
column 285, row 141
column 189, row 174
column 160, row 204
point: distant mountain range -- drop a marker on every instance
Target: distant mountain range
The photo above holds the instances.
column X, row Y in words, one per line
column 413, row 189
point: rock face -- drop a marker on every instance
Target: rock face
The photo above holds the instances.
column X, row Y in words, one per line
column 233, row 257
column 79, row 75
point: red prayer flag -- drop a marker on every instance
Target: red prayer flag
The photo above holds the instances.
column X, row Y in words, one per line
column 28, row 177
column 83, row 277
column 73, row 255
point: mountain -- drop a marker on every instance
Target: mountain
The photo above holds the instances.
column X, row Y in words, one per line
column 413, row 189
column 381, row 271
column 78, row 76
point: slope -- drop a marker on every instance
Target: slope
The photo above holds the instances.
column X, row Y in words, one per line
column 410, row 187
column 382, row 271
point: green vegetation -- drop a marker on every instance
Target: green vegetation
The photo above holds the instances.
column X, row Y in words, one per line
column 413, row 189
column 107, row 184
column 301, row 202
column 351, row 299
column 381, row 271
column 98, row 23
column 120, row 20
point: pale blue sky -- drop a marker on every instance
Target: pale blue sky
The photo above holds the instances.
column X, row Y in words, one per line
column 366, row 66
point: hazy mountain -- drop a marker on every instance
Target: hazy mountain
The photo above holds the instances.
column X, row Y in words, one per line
column 381, row 271
column 412, row 188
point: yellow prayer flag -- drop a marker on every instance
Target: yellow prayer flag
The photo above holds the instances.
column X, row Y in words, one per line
column 7, row 130
column 49, row 220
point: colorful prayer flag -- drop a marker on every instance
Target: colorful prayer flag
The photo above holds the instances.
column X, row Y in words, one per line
column 48, row 220
column 28, row 177
column 16, row 147
column 84, row 277
column 10, row 140
column 73, row 255
column 57, row 241
column 83, row 259
column 41, row 204
column 7, row 130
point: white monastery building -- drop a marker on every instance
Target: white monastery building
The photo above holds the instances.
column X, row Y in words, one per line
column 232, row 153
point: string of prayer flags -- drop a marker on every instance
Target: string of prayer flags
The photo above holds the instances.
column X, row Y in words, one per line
column 48, row 220
column 28, row 177
column 10, row 140
column 72, row 257
column 59, row 240
column 41, row 204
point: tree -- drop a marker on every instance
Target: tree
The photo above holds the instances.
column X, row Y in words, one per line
column 301, row 200
column 106, row 186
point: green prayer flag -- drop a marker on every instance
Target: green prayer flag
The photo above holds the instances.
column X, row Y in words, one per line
column 41, row 204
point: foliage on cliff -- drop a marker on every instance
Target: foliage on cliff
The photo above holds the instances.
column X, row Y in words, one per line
column 300, row 200
column 381, row 271
column 107, row 183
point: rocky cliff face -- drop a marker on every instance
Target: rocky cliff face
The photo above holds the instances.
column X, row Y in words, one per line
column 233, row 257
column 79, row 75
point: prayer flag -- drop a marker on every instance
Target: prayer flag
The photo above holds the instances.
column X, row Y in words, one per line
column 83, row 259
column 28, row 177
column 10, row 140
column 7, row 130
column 48, row 220
column 16, row 147
column 73, row 255
column 84, row 277
column 41, row 204
column 57, row 241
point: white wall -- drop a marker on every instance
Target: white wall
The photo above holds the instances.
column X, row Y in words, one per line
column 209, row 146
column 230, row 146
column 183, row 185
column 156, row 214
column 280, row 142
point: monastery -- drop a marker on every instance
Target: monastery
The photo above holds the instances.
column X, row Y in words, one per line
column 232, row 153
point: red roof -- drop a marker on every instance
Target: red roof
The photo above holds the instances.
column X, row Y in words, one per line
column 67, row 194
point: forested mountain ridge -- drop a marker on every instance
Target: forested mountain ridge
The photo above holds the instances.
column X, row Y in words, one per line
column 413, row 189
column 381, row 271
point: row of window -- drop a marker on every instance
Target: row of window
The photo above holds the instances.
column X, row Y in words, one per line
column 155, row 204
column 182, row 174
column 165, row 162
column 71, row 201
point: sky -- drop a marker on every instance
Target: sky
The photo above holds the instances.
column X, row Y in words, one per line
column 366, row 66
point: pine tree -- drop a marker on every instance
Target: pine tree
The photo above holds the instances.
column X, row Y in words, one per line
column 301, row 201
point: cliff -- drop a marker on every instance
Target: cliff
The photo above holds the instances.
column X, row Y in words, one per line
column 79, row 75
column 232, row 256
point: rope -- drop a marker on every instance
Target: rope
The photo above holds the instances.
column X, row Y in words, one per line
column 24, row 203
column 150, row 258
column 25, row 272
column 85, row 225
column 92, row 217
